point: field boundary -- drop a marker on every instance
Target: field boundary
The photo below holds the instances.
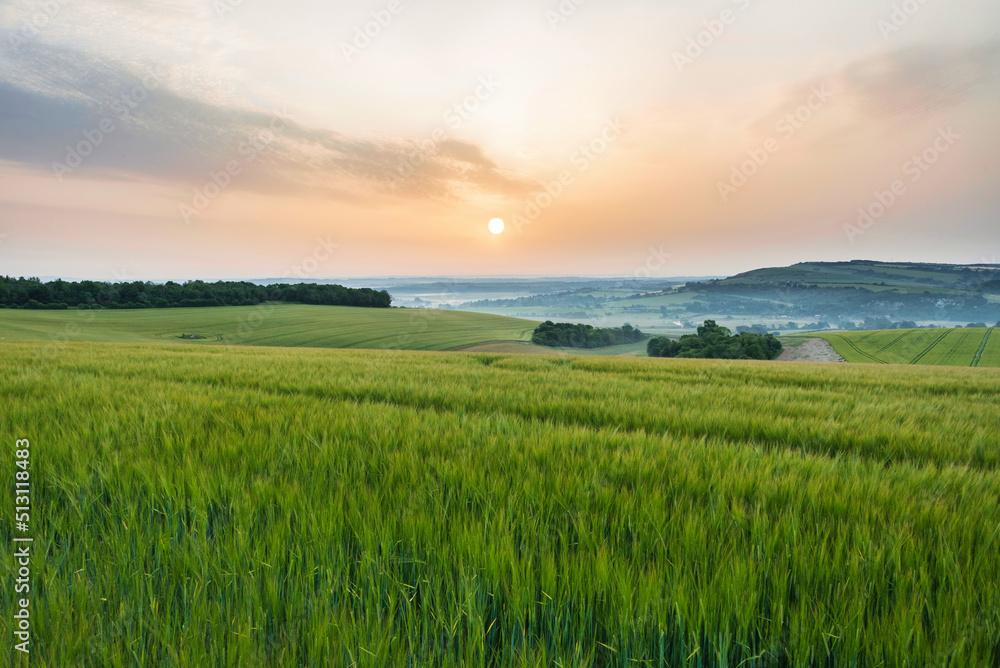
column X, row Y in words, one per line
column 931, row 347
column 982, row 348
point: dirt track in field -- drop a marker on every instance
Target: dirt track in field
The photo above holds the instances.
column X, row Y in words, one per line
column 811, row 350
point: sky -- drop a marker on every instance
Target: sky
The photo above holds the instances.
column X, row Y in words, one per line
column 214, row 139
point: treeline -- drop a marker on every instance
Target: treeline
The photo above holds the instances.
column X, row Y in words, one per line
column 870, row 324
column 31, row 293
column 567, row 335
column 715, row 342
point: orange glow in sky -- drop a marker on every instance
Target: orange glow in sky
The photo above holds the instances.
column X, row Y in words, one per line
column 187, row 139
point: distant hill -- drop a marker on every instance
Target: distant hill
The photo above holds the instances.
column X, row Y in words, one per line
column 860, row 293
column 871, row 274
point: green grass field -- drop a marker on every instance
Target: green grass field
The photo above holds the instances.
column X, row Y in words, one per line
column 939, row 347
column 244, row 506
column 285, row 325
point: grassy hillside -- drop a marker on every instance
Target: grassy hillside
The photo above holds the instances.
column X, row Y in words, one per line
column 874, row 293
column 946, row 347
column 199, row 506
column 875, row 275
column 286, row 325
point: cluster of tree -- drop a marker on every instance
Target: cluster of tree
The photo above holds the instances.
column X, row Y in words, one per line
column 715, row 342
column 59, row 294
column 794, row 325
column 886, row 323
column 567, row 335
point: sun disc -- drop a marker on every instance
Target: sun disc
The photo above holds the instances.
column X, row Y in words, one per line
column 496, row 226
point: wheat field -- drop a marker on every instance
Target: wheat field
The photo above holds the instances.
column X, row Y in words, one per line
column 211, row 506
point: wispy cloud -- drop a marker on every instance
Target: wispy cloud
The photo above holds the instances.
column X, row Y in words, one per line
column 51, row 96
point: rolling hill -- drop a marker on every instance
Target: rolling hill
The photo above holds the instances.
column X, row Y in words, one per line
column 284, row 325
column 849, row 292
column 867, row 293
column 873, row 275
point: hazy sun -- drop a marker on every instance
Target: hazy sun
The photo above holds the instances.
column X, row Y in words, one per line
column 496, row 226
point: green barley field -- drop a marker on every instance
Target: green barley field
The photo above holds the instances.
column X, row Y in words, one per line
column 253, row 506
column 945, row 347
column 284, row 325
